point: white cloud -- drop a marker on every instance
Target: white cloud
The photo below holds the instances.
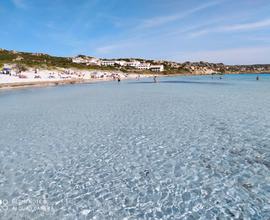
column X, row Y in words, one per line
column 161, row 20
column 247, row 26
column 110, row 48
column 233, row 27
column 19, row 3
column 107, row 49
column 241, row 55
column 144, row 38
column 246, row 55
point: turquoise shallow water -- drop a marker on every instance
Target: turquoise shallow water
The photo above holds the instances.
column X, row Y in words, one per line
column 184, row 148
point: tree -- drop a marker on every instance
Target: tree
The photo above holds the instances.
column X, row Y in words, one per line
column 20, row 68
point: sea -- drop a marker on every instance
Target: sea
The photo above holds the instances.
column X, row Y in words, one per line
column 186, row 147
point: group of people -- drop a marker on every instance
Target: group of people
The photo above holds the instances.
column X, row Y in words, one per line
column 257, row 77
column 155, row 78
column 119, row 79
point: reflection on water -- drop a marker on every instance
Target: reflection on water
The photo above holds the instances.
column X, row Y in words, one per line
column 181, row 81
column 184, row 148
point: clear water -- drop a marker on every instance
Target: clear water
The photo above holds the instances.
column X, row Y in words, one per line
column 184, row 148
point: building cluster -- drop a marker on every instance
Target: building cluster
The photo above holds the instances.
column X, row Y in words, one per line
column 86, row 60
column 122, row 63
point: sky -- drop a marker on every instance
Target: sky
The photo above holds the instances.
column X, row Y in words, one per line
column 227, row 31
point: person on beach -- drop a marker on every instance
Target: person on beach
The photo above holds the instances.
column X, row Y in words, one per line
column 118, row 79
column 155, row 79
column 257, row 78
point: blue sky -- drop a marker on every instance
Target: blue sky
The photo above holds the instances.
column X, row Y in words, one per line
column 229, row 31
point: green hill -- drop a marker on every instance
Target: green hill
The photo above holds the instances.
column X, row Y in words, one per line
column 39, row 60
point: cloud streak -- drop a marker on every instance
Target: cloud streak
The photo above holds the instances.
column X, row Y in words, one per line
column 247, row 26
column 19, row 4
column 233, row 28
column 151, row 24
column 162, row 20
column 244, row 55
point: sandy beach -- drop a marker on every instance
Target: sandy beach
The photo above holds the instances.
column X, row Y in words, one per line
column 44, row 78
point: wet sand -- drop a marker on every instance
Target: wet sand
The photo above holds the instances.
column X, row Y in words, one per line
column 37, row 84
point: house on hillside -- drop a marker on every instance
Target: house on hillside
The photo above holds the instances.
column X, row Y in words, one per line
column 134, row 63
column 86, row 60
column 157, row 68
column 108, row 62
column 121, row 62
column 144, row 66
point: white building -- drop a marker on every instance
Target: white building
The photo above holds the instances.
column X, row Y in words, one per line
column 108, row 62
column 86, row 60
column 78, row 60
column 134, row 63
column 144, row 66
column 157, row 68
column 121, row 62
column 94, row 61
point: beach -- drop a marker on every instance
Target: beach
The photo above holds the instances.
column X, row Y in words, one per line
column 135, row 110
column 44, row 78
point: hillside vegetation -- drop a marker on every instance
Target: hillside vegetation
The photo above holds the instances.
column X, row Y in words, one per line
column 39, row 60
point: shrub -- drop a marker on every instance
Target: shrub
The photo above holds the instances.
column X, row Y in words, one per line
column 21, row 67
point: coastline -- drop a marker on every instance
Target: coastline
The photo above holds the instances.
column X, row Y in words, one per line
column 39, row 84
column 53, row 83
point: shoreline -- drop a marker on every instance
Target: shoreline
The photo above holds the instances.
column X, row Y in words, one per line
column 229, row 73
column 53, row 83
column 40, row 84
column 47, row 83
